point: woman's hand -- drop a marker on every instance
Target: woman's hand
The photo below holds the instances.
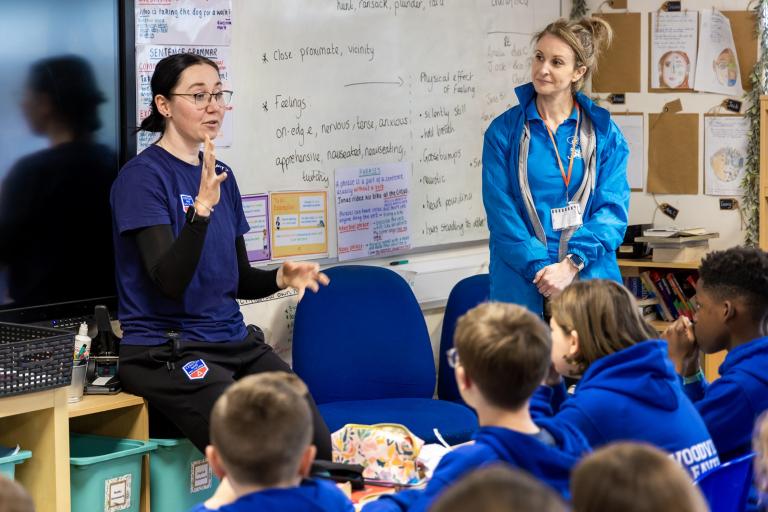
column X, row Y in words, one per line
column 210, row 182
column 682, row 346
column 552, row 279
column 301, row 275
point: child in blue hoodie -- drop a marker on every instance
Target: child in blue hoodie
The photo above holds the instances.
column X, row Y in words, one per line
column 500, row 357
column 628, row 389
column 261, row 430
column 731, row 314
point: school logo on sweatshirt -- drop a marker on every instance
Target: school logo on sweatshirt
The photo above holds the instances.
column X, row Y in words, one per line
column 195, row 370
column 186, row 202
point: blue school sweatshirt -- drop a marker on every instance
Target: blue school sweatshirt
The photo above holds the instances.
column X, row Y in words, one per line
column 310, row 496
column 635, row 395
column 732, row 403
column 549, row 463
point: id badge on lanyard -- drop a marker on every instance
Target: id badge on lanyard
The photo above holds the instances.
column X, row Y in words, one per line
column 570, row 215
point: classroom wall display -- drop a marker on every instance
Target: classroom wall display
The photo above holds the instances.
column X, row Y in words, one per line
column 324, row 85
column 168, row 27
column 673, row 38
column 725, row 154
column 717, row 68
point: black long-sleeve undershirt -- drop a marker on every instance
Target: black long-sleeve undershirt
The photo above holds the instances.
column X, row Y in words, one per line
column 171, row 263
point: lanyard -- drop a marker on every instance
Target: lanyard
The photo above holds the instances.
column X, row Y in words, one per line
column 566, row 178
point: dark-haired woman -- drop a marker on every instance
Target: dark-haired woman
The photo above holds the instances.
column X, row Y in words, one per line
column 181, row 262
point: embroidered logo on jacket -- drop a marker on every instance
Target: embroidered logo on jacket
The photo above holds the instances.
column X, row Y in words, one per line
column 186, row 202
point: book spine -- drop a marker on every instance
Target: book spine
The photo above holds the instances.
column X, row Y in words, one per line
column 678, row 291
column 664, row 312
column 666, row 293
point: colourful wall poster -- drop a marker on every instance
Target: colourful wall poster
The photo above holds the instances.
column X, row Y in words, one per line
column 199, row 22
column 372, row 210
column 256, row 209
column 298, row 222
column 147, row 57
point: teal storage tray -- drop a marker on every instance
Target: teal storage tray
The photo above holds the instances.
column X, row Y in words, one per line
column 105, row 472
column 8, row 464
column 180, row 476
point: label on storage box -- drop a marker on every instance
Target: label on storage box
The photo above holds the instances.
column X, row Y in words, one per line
column 117, row 493
column 200, row 477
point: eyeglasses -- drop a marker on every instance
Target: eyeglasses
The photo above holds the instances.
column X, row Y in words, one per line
column 203, row 99
column 452, row 356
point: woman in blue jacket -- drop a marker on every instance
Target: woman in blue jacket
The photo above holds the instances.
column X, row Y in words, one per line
column 554, row 174
column 628, row 388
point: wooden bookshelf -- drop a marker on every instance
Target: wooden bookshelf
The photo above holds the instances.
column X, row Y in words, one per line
column 632, row 268
column 647, row 263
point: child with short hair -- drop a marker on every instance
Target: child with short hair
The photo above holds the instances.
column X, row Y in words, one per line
column 13, row 497
column 501, row 356
column 498, row 488
column 628, row 388
column 261, row 433
column 731, row 314
column 633, row 477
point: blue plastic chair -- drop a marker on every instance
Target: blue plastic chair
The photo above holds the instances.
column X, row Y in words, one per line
column 726, row 487
column 363, row 349
column 466, row 294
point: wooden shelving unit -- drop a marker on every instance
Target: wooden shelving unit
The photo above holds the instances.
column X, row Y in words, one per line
column 711, row 362
column 41, row 422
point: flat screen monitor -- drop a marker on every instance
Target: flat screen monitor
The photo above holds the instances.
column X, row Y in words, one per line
column 61, row 145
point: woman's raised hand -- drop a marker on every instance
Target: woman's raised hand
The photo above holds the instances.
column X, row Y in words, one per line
column 301, row 275
column 210, row 182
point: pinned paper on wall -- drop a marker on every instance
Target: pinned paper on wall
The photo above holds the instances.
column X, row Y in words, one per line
column 188, row 22
column 631, row 125
column 673, row 153
column 725, row 154
column 256, row 209
column 745, row 40
column 618, row 68
column 147, row 57
column 673, row 39
column 717, row 68
column 299, row 224
column 372, row 210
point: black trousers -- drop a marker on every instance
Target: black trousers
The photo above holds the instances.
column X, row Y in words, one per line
column 156, row 373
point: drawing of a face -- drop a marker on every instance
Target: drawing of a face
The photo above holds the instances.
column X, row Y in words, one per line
column 674, row 67
column 725, row 68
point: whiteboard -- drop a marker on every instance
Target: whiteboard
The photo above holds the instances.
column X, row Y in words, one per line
column 327, row 84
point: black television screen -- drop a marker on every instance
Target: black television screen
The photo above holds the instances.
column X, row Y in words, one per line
column 60, row 141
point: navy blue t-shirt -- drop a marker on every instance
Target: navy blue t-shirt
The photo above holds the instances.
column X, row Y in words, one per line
column 155, row 188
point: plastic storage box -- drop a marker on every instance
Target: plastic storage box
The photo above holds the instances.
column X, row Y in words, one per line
column 34, row 358
column 180, row 476
column 105, row 472
column 8, row 463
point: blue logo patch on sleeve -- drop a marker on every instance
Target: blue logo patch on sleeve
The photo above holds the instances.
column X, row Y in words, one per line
column 186, row 202
column 195, row 370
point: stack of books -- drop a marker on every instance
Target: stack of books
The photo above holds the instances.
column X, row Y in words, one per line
column 676, row 245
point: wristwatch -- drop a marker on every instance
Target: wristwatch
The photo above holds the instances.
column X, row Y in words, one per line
column 194, row 218
column 576, row 261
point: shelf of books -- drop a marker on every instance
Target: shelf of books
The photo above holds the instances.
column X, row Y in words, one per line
column 664, row 292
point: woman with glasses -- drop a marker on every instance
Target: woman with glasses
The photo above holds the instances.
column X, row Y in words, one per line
column 181, row 261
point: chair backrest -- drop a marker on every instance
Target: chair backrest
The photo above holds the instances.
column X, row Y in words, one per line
column 726, row 487
column 363, row 337
column 466, row 294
